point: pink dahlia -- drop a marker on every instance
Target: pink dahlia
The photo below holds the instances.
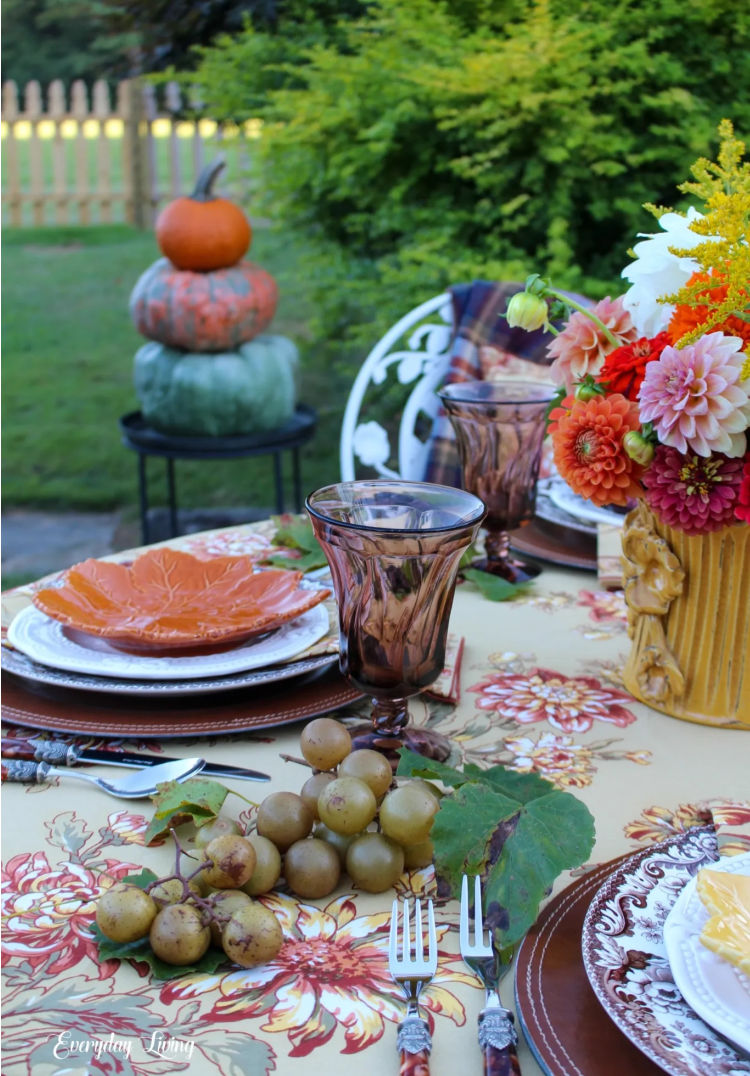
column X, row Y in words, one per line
column 581, row 347
column 693, row 493
column 742, row 507
column 695, row 397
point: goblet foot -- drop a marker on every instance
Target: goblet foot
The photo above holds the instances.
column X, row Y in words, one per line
column 422, row 741
column 515, row 571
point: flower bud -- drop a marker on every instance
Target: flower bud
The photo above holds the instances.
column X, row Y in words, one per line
column 526, row 311
column 587, row 390
column 638, row 448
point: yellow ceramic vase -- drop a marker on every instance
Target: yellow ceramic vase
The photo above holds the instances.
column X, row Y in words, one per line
column 688, row 601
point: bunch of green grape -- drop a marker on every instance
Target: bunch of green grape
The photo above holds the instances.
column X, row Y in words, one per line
column 349, row 817
column 182, row 916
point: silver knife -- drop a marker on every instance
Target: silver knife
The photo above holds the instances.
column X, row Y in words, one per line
column 58, row 753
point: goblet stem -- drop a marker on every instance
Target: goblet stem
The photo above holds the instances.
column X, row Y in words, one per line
column 389, row 716
column 390, row 729
column 498, row 559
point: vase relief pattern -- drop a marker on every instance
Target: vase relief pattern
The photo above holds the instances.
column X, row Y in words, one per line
column 688, row 601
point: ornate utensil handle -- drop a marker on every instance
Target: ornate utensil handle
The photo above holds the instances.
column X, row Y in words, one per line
column 414, row 1045
column 53, row 751
column 498, row 1039
column 26, row 772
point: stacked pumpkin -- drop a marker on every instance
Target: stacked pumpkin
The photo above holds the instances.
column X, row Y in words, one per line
column 209, row 369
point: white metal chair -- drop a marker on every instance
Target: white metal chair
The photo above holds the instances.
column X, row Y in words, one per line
column 416, row 349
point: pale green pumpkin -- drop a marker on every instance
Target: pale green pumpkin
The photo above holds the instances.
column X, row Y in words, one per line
column 249, row 390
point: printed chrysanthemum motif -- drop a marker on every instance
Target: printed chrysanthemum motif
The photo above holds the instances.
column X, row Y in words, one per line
column 568, row 703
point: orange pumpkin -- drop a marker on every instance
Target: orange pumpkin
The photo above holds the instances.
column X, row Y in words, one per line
column 203, row 232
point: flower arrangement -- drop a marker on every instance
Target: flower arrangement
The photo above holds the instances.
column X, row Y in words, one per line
column 655, row 384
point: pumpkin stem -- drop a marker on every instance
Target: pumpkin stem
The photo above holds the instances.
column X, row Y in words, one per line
column 205, row 181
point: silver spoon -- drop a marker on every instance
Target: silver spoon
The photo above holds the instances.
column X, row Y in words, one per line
column 136, row 785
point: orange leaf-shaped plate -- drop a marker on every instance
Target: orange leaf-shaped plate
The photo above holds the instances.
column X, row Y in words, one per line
column 170, row 600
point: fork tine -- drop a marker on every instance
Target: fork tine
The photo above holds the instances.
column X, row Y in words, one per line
column 463, row 923
column 393, row 936
column 418, row 932
column 407, row 930
column 478, row 915
column 432, row 946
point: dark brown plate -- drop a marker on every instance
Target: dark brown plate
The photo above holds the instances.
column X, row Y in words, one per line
column 64, row 710
column 565, row 1026
column 548, row 541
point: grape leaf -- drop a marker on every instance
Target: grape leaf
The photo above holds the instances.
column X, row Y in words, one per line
column 413, row 765
column 494, row 587
column 296, row 533
column 552, row 834
column 516, row 830
column 305, row 563
column 196, row 800
column 463, row 829
column 521, row 786
column 143, row 879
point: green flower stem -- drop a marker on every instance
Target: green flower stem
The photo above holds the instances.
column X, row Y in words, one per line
column 577, row 306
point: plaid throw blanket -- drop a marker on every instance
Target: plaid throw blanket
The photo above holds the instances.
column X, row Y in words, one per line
column 477, row 322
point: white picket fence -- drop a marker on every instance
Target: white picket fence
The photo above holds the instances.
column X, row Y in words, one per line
column 87, row 158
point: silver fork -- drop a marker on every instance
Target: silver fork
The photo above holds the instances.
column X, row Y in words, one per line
column 411, row 969
column 497, row 1033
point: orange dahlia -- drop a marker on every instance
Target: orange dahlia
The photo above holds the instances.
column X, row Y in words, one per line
column 587, row 437
column 686, row 318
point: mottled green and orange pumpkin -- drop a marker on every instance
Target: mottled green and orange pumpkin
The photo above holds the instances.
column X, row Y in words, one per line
column 213, row 311
column 247, row 390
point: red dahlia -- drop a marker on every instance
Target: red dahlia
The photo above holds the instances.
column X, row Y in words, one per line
column 624, row 368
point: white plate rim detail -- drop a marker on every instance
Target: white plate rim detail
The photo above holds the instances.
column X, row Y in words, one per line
column 563, row 497
column 45, row 640
column 699, row 972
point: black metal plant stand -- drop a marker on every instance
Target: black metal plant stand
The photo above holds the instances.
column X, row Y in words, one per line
column 143, row 439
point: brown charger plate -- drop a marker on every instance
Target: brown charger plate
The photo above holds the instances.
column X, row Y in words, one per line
column 551, row 542
column 568, row 1031
column 67, row 710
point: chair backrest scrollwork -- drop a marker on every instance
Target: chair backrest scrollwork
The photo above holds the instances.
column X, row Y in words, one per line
column 414, row 352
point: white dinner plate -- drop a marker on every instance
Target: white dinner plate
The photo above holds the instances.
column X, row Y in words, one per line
column 717, row 990
column 19, row 664
column 626, row 959
column 562, row 495
column 49, row 642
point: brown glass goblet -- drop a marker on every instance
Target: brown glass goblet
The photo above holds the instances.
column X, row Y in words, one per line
column 499, row 428
column 394, row 548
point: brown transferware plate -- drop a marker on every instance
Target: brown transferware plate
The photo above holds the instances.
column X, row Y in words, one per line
column 170, row 600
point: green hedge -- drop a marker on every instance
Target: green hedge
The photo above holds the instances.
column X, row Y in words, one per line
column 428, row 143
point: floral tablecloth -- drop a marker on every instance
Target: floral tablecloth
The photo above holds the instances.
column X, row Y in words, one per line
column 539, row 691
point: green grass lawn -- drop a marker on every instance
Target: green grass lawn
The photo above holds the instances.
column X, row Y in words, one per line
column 68, row 347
